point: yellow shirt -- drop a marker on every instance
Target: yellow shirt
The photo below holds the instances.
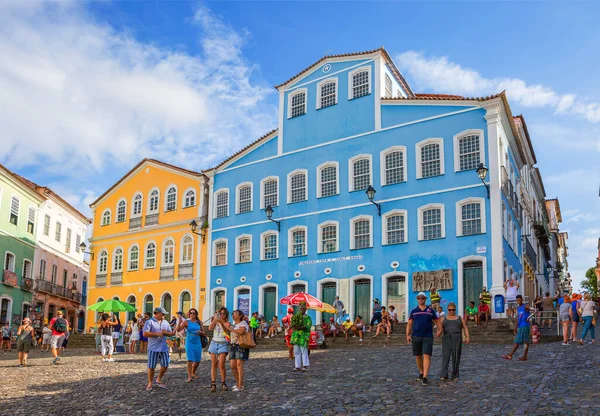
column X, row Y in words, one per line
column 347, row 325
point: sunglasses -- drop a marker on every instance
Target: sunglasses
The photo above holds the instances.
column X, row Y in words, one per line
column 451, row 310
column 421, row 298
column 193, row 313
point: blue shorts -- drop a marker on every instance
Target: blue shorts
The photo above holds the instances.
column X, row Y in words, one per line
column 218, row 348
column 238, row 353
column 523, row 334
column 155, row 356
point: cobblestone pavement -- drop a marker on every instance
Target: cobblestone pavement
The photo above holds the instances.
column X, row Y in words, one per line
column 557, row 379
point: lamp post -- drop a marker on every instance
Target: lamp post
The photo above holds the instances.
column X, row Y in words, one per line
column 82, row 247
column 371, row 195
column 482, row 172
column 194, row 227
column 269, row 212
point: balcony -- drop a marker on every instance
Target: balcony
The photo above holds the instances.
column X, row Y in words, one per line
column 101, row 280
column 116, row 278
column 43, row 286
column 10, row 278
column 530, row 252
column 186, row 271
column 167, row 273
column 27, row 284
column 151, row 219
column 136, row 223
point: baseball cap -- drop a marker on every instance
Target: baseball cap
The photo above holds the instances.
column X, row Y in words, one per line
column 376, row 300
column 331, row 320
column 161, row 310
column 290, row 310
column 421, row 294
column 179, row 313
column 347, row 318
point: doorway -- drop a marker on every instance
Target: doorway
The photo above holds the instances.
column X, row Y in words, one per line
column 219, row 299
column 244, row 301
column 328, row 292
column 269, row 302
column 362, row 299
column 396, row 295
column 472, row 282
column 296, row 289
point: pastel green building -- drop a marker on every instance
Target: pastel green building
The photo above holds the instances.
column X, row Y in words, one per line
column 19, row 205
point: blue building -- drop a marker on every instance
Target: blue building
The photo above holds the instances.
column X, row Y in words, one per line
column 348, row 122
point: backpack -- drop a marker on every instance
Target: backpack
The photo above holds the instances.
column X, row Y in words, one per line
column 60, row 325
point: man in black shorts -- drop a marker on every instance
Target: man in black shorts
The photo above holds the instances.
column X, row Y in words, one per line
column 419, row 333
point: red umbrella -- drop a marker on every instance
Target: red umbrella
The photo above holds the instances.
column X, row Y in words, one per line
column 296, row 298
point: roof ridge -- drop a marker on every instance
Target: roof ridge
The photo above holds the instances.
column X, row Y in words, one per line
column 264, row 136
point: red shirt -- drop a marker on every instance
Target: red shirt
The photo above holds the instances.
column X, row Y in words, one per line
column 484, row 308
column 54, row 332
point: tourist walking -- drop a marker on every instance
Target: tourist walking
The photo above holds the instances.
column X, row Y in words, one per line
column 511, row 286
column 180, row 335
column 522, row 330
column 548, row 310
column 143, row 340
column 46, row 336
column 6, row 336
column 25, row 339
column 134, row 335
column 586, row 311
column 156, row 330
column 565, row 315
column 575, row 298
column 105, row 327
column 338, row 305
column 452, row 328
column 419, row 333
column 301, row 324
column 218, row 349
column 59, row 326
column 237, row 355
column 193, row 344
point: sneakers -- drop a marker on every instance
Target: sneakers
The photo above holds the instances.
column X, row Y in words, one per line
column 55, row 361
column 236, row 389
column 111, row 360
column 420, row 377
column 424, row 381
column 104, row 360
column 360, row 340
column 565, row 343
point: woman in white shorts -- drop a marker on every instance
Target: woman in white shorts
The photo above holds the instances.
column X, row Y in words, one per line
column 218, row 349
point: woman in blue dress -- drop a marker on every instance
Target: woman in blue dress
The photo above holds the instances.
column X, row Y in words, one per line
column 193, row 345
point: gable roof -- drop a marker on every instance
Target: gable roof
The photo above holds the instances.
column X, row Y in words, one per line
column 554, row 201
column 529, row 144
column 261, row 139
column 145, row 160
column 386, row 56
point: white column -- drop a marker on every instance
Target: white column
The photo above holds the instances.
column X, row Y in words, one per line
column 208, row 248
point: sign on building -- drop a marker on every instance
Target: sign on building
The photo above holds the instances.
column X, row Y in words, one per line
column 424, row 281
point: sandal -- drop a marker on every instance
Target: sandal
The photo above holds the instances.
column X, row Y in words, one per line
column 224, row 386
column 507, row 357
column 148, row 388
column 213, row 387
column 160, row 384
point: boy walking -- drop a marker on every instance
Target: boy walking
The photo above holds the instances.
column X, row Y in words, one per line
column 522, row 330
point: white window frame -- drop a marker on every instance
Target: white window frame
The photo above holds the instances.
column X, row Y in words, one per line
column 214, row 256
column 102, row 224
column 132, row 214
column 419, row 146
column 14, row 262
column 113, row 269
column 516, row 238
column 459, row 204
column 457, row 137
column 46, row 231
column 352, row 233
column 183, row 244
column 320, row 87
column 150, row 211
column 217, row 192
column 163, row 251
column 100, row 271
column 337, row 170
column 237, row 197
column 146, row 254
column 320, row 236
column 10, row 209
column 354, row 72
column 58, row 231
column 291, row 240
column 289, row 185
column 351, row 162
column 262, row 245
column 289, row 103
column 117, row 211
column 383, row 167
column 184, row 198
column 262, row 190
column 510, row 230
column 387, row 78
column 129, row 268
column 237, row 248
column 69, row 236
column 23, row 269
column 504, row 228
column 167, row 197
column 31, row 209
column 423, row 208
column 384, row 230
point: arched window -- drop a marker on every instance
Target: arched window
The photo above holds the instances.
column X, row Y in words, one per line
column 244, row 197
column 187, row 249
column 328, row 237
column 118, row 260
column 432, row 224
column 137, row 206
column 220, row 256
column 150, row 255
column 297, row 241
column 222, row 203
column 166, row 303
column 186, row 302
column 105, row 217
column 393, row 165
column 121, row 211
column 27, row 269
column 297, row 186
column 327, row 179
column 15, row 206
column 361, row 232
column 430, row 158
column 270, row 192
column 153, row 201
column 327, row 93
column 189, row 199
column 102, row 262
column 360, row 168
column 297, row 103
column 243, row 248
column 468, row 150
column 395, row 227
column 269, row 248
column 359, row 83
column 470, row 217
column 131, row 301
column 31, row 220
column 149, row 304
column 9, row 262
column 134, row 257
column 169, row 252
column 171, row 201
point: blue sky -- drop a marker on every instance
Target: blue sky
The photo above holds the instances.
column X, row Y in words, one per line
column 91, row 88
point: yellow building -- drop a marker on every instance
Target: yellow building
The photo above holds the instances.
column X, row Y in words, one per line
column 143, row 249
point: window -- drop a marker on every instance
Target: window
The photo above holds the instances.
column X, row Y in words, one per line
column 42, row 270
column 186, row 301
column 137, row 206
column 149, row 304
column 269, row 245
column 15, row 205
column 504, row 221
column 468, row 150
column 77, row 243
column 171, row 201
column 360, row 166
column 393, row 165
column 516, row 238
column 388, row 86
column 244, row 249
column 395, row 227
column 153, row 201
column 220, row 253
column 189, row 198
column 27, row 269
column 150, row 256
column 187, row 249
column 297, row 241
column 360, row 232
column 327, row 93
column 47, row 225
column 430, row 158
column 297, row 189
column 297, row 103
column 431, row 222
column 58, row 232
column 328, row 237
column 68, row 242
column 134, row 258
column 327, row 179
column 244, row 197
column 169, row 252
column 31, row 220
column 359, row 83
column 9, row 262
column 102, row 263
column 470, row 212
column 118, row 260
column 54, row 274
column 222, row 205
column 270, row 191
column 106, row 217
column 510, row 231
column 121, row 208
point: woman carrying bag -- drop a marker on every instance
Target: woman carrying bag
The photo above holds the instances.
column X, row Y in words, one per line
column 25, row 339
column 239, row 352
column 193, row 342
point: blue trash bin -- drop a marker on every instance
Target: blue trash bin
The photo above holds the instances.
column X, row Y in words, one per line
column 499, row 303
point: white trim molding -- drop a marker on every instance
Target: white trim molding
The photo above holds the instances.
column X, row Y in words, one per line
column 262, row 245
column 384, row 293
column 423, row 208
column 214, row 257
column 167, row 197
column 350, row 306
column 132, row 213
column 296, row 282
column 320, row 85
column 262, row 191
column 212, row 298
column 351, row 163
column 289, row 185
column 237, row 247
column 320, row 292
column 337, row 177
column 320, row 236
column 456, row 139
column 291, row 239
column 459, row 278
column 352, row 231
column 237, row 197
column 350, row 80
column 235, row 297
column 384, row 230
column 419, row 146
column 291, row 95
column 149, row 211
column 472, row 200
column 184, row 197
column 261, row 300
column 216, row 206
column 383, row 167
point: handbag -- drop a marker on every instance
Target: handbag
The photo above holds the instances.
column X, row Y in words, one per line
column 203, row 340
column 245, row 340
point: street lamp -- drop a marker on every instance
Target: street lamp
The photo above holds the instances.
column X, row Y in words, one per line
column 371, row 194
column 194, row 227
column 482, row 173
column 269, row 212
column 82, row 247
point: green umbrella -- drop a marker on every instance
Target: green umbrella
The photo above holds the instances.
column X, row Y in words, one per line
column 112, row 305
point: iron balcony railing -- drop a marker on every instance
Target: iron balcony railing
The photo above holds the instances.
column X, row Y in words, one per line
column 186, row 271
column 43, row 285
column 151, row 219
column 116, row 278
column 167, row 273
column 27, row 283
column 101, row 280
column 135, row 223
column 530, row 252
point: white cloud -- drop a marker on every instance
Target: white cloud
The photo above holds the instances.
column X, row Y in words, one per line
column 76, row 94
column 444, row 76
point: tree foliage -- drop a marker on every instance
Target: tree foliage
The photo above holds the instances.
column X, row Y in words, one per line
column 590, row 283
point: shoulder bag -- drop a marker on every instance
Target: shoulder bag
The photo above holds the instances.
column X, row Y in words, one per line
column 245, row 340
